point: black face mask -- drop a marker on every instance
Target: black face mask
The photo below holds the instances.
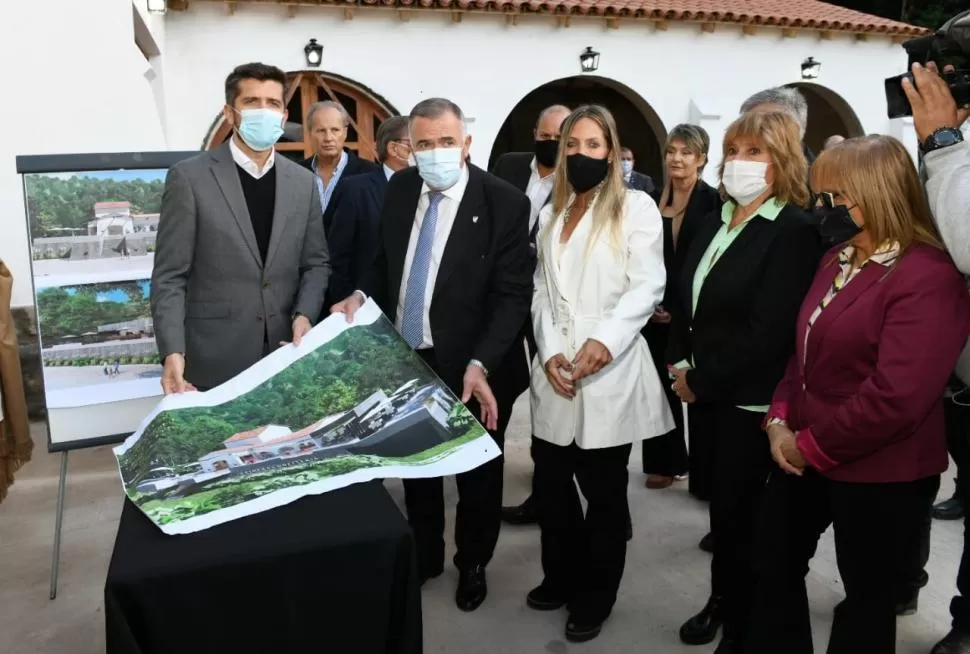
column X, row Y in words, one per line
column 585, row 172
column 835, row 224
column 546, row 152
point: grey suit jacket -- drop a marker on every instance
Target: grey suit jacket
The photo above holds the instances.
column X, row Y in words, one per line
column 212, row 297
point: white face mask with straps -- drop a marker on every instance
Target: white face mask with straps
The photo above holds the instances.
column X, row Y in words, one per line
column 744, row 180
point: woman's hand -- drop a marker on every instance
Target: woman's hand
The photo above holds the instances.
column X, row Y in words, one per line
column 560, row 383
column 784, row 450
column 660, row 316
column 590, row 359
column 680, row 384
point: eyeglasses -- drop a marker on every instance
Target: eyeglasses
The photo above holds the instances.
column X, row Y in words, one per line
column 825, row 199
column 828, row 201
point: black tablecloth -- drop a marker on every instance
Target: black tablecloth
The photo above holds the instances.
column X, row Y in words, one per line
column 327, row 573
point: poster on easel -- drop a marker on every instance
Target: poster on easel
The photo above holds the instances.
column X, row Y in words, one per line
column 92, row 222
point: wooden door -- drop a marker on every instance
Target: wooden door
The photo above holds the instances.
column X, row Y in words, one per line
column 307, row 87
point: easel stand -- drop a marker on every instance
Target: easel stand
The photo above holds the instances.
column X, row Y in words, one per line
column 58, row 520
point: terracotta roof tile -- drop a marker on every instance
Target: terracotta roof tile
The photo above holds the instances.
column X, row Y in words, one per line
column 809, row 14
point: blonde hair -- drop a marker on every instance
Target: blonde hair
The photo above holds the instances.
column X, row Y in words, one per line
column 610, row 195
column 877, row 174
column 694, row 137
column 781, row 137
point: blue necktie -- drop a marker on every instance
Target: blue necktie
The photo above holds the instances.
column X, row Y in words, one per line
column 412, row 320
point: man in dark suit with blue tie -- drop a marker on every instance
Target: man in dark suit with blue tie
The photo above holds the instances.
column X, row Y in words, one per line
column 357, row 211
column 453, row 272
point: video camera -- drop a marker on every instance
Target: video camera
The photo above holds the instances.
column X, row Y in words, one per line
column 949, row 46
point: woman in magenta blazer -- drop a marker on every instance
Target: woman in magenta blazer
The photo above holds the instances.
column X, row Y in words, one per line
column 857, row 421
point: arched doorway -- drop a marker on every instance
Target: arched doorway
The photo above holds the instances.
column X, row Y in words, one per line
column 828, row 114
column 367, row 111
column 640, row 127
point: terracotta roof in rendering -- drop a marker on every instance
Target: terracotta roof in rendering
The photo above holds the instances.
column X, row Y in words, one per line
column 246, row 435
column 112, row 205
column 806, row 14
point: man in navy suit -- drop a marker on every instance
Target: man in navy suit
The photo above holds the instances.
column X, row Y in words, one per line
column 357, row 209
column 635, row 180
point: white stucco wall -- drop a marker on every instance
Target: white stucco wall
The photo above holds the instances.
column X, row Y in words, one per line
column 87, row 53
column 75, row 83
column 487, row 66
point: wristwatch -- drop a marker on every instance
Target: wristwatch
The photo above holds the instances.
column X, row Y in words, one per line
column 941, row 138
column 479, row 364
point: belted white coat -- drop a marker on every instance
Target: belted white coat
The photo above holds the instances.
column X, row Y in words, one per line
column 605, row 290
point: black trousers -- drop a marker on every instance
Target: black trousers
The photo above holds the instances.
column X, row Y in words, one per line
column 740, row 448
column 877, row 527
column 960, row 604
column 582, row 556
column 664, row 455
column 703, row 424
column 958, row 442
column 957, row 419
column 479, row 512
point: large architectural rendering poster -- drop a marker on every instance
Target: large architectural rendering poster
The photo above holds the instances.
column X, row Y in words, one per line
column 352, row 403
column 92, row 220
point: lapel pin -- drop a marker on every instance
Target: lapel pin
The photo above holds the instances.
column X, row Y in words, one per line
column 474, row 219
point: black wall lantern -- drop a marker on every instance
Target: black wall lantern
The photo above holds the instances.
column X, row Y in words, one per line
column 314, row 53
column 811, row 68
column 589, row 60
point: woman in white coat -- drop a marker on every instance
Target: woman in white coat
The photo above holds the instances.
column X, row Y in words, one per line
column 595, row 389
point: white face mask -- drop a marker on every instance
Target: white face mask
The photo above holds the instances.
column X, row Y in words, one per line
column 744, row 181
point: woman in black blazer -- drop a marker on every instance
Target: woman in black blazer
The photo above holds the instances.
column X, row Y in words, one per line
column 684, row 201
column 741, row 286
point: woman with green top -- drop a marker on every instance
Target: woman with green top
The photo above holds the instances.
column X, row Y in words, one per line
column 741, row 286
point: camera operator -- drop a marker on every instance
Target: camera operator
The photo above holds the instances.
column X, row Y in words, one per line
column 946, row 164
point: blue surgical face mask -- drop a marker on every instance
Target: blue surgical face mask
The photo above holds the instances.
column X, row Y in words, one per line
column 627, row 167
column 260, row 129
column 440, row 167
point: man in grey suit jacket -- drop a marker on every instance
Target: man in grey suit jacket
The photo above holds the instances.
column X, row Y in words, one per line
column 241, row 262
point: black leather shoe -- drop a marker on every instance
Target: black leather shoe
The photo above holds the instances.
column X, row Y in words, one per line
column 425, row 575
column 707, row 543
column 909, row 605
column 728, row 645
column 955, row 642
column 951, row 509
column 541, row 598
column 579, row 630
column 523, row 514
column 472, row 589
column 702, row 628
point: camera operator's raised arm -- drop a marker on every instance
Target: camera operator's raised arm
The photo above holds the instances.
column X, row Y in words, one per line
column 946, row 158
column 948, row 190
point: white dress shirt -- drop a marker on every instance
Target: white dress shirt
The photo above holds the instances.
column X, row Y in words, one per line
column 538, row 190
column 243, row 161
column 387, row 171
column 447, row 210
